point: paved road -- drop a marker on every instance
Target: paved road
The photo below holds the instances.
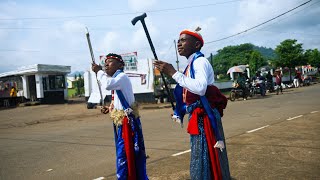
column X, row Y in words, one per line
column 70, row 142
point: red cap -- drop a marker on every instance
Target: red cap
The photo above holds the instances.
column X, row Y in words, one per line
column 194, row 34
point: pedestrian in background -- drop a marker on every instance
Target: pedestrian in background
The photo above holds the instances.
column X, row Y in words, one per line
column 278, row 76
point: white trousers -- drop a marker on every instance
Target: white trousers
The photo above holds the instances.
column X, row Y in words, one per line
column 296, row 82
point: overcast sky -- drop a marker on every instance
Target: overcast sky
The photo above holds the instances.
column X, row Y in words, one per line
column 53, row 32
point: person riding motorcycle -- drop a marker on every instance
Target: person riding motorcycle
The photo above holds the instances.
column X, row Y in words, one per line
column 270, row 85
column 259, row 81
column 241, row 84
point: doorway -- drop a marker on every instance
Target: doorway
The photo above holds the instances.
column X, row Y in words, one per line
column 32, row 87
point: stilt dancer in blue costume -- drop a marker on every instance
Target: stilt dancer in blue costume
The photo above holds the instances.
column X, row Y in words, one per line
column 130, row 149
column 196, row 94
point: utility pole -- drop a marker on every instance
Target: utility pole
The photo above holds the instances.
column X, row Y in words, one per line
column 175, row 46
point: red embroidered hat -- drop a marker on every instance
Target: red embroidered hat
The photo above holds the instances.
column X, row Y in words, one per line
column 194, row 33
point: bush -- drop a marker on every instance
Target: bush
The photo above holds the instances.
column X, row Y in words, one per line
column 72, row 92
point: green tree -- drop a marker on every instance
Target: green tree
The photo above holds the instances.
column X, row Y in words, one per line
column 312, row 57
column 80, row 84
column 267, row 53
column 256, row 60
column 231, row 56
column 289, row 54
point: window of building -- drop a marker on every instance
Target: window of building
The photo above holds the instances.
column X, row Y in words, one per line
column 56, row 82
column 44, row 83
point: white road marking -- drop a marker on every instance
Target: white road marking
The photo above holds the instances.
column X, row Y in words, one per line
column 183, row 152
column 49, row 170
column 99, row 178
column 314, row 112
column 253, row 130
column 294, row 117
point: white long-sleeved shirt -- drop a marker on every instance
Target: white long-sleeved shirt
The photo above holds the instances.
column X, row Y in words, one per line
column 120, row 82
column 203, row 74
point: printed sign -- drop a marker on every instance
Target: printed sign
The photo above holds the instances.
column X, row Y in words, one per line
column 130, row 61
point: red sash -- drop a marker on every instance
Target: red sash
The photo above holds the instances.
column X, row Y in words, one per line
column 210, row 138
column 127, row 136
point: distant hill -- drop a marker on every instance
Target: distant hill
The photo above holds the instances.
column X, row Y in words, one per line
column 76, row 72
column 266, row 52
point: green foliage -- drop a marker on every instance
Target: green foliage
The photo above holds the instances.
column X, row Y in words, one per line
column 267, row 53
column 289, row 54
column 237, row 55
column 312, row 57
column 78, row 85
column 256, row 61
column 71, row 92
column 231, row 56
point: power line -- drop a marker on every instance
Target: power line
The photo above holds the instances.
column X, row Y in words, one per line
column 297, row 33
column 287, row 17
column 61, row 29
column 262, row 29
column 258, row 24
column 34, row 51
column 37, row 51
column 118, row 14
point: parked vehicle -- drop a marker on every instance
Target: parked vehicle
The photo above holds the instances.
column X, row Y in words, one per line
column 306, row 80
column 270, row 86
column 237, row 92
column 257, row 87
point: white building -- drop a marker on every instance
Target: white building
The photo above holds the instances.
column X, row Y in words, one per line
column 39, row 82
column 70, row 81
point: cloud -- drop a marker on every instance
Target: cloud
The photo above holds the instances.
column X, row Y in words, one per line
column 73, row 26
column 210, row 30
column 56, row 42
column 109, row 42
column 253, row 12
column 141, row 5
column 62, row 41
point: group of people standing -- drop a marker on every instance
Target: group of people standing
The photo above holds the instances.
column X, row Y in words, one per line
column 195, row 95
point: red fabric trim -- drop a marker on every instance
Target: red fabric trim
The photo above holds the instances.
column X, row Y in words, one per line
column 112, row 94
column 214, row 96
column 194, row 34
column 114, row 57
column 127, row 136
column 213, row 152
column 193, row 122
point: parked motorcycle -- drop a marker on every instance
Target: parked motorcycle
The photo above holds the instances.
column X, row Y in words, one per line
column 236, row 92
column 270, row 86
column 258, row 87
